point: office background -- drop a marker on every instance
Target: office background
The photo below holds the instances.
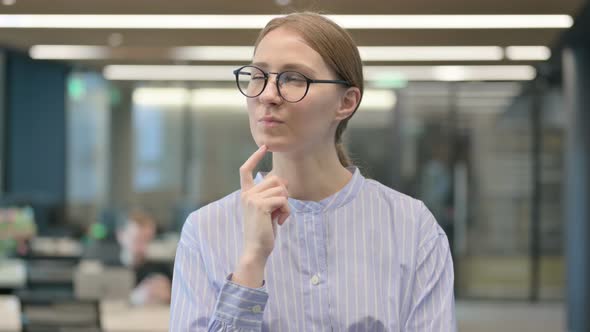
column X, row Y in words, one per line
column 483, row 119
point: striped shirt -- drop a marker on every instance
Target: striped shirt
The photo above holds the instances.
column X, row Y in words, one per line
column 367, row 258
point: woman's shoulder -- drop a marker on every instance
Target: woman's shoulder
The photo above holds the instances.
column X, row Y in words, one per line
column 206, row 211
column 216, row 212
column 391, row 195
column 404, row 208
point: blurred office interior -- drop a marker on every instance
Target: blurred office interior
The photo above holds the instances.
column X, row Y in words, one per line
column 483, row 116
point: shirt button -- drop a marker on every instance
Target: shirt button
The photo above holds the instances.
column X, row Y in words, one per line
column 256, row 309
column 315, row 280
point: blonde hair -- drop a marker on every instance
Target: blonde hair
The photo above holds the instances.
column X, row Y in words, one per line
column 142, row 218
column 337, row 49
column 138, row 216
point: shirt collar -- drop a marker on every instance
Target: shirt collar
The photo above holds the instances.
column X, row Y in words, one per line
column 340, row 198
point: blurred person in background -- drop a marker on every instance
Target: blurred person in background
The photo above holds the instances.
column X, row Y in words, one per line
column 435, row 184
column 134, row 233
column 313, row 244
column 134, row 237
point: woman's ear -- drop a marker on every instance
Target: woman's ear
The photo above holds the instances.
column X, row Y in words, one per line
column 348, row 104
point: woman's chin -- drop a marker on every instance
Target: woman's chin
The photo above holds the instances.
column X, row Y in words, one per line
column 274, row 146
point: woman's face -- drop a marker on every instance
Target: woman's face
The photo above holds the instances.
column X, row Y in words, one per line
column 293, row 126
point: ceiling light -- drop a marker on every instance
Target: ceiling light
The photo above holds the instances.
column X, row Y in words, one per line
column 453, row 21
column 368, row 53
column 259, row 21
column 244, row 53
column 378, row 100
column 372, row 73
column 214, row 99
column 63, row 21
column 528, row 53
column 62, row 52
column 451, row 73
column 431, row 53
column 210, row 99
column 172, row 97
column 484, row 73
column 169, row 73
column 213, row 53
column 398, row 73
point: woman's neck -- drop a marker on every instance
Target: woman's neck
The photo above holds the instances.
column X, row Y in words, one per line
column 311, row 176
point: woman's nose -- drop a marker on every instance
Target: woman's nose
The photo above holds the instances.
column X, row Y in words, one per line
column 271, row 95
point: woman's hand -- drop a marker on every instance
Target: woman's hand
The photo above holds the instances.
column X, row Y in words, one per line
column 264, row 205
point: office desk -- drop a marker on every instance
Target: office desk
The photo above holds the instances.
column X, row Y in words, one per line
column 93, row 280
column 56, row 248
column 10, row 313
column 13, row 273
column 119, row 315
column 60, row 315
column 50, row 272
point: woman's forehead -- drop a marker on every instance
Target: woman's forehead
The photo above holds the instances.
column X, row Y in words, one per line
column 284, row 49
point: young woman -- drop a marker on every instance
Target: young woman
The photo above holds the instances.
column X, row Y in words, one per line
column 312, row 245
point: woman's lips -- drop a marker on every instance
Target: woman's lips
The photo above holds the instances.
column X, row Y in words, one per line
column 270, row 123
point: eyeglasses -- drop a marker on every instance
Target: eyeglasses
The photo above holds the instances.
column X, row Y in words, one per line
column 291, row 85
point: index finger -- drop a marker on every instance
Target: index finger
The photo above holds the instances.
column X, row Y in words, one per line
column 246, row 179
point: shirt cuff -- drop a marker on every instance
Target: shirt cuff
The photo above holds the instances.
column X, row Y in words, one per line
column 241, row 307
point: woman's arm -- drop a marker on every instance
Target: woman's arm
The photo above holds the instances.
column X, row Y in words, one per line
column 196, row 304
column 199, row 306
column 432, row 300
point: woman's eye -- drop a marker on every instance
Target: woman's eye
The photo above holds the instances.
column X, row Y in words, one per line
column 293, row 78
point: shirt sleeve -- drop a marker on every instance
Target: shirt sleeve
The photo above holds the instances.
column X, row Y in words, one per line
column 432, row 297
column 197, row 305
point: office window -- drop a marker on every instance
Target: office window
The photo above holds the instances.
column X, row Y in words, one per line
column 158, row 142
column 2, row 122
column 88, row 119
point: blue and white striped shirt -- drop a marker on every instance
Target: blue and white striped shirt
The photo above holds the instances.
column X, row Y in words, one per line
column 367, row 258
